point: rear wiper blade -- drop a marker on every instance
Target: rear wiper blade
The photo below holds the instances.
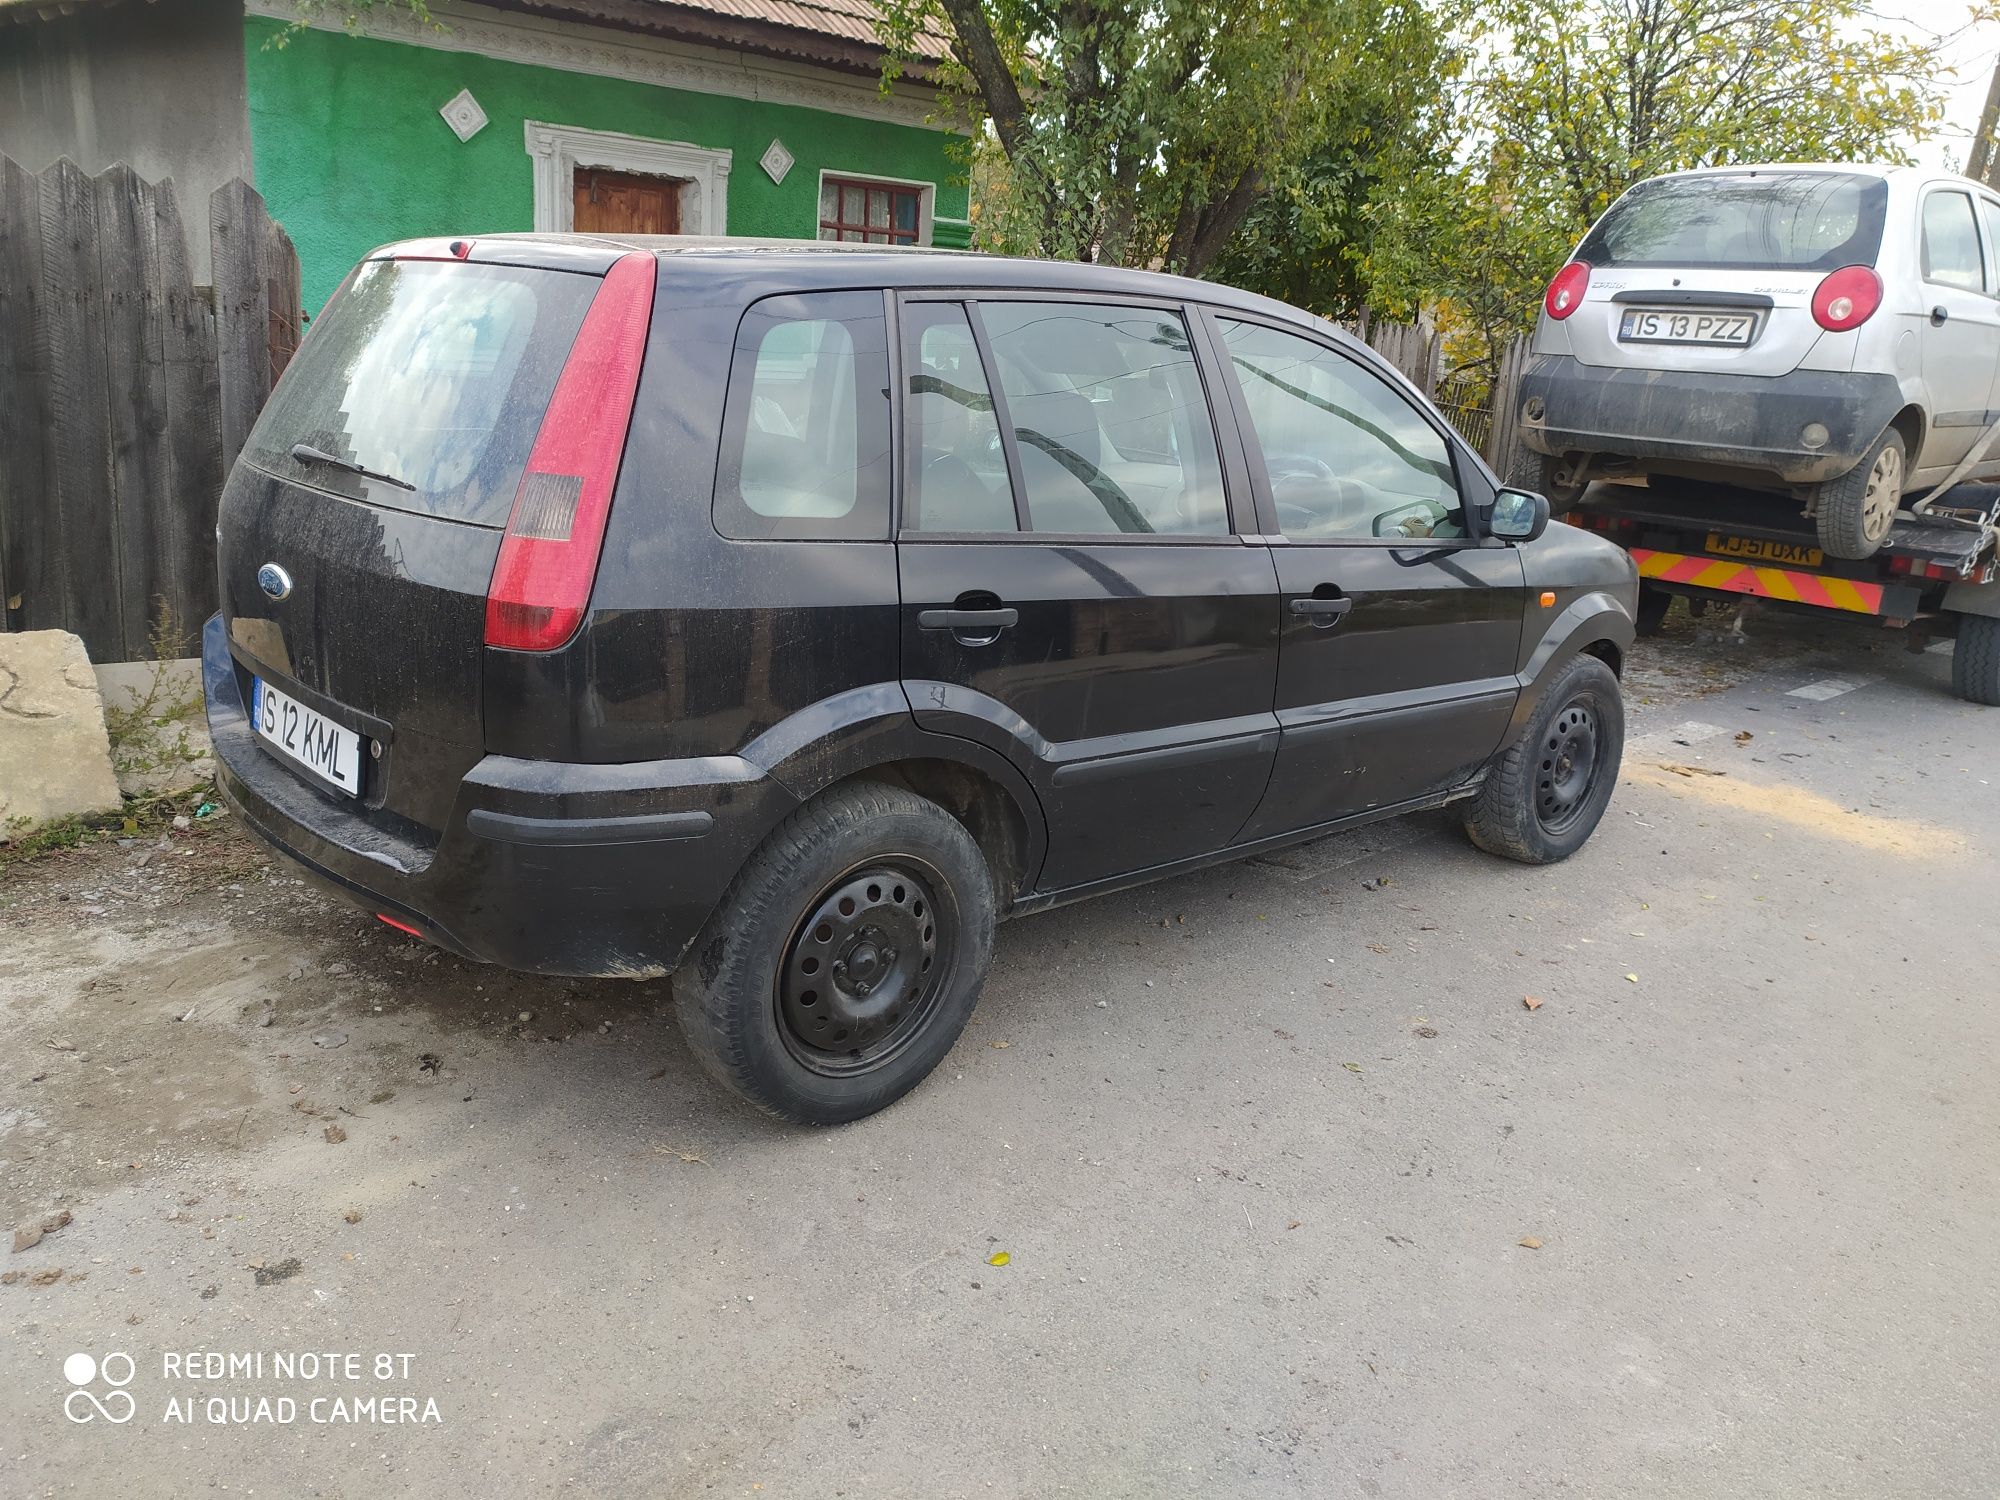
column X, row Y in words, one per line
column 306, row 453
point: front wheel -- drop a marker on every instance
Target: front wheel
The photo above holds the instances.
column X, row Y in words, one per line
column 1545, row 793
column 845, row 958
column 1975, row 660
column 1856, row 512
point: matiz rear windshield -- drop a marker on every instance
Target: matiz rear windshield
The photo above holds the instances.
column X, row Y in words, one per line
column 433, row 375
column 1750, row 221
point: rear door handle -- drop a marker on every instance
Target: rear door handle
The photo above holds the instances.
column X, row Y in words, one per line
column 967, row 619
column 1329, row 609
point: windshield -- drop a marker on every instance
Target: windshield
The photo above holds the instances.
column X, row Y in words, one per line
column 1753, row 221
column 434, row 376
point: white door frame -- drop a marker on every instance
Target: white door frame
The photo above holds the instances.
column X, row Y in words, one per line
column 558, row 150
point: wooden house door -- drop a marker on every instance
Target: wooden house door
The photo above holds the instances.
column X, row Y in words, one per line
column 608, row 202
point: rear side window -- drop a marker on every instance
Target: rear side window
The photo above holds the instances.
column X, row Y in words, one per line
column 1777, row 221
column 1951, row 243
column 432, row 374
column 805, row 437
column 957, row 469
column 1109, row 417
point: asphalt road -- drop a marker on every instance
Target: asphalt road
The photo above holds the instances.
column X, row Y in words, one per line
column 1296, row 1195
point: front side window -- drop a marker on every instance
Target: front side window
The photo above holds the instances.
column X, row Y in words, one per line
column 1110, row 419
column 1348, row 458
column 1951, row 243
column 806, row 433
column 874, row 213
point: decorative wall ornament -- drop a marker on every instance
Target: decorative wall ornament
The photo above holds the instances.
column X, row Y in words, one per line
column 463, row 114
column 558, row 150
column 776, row 160
column 546, row 43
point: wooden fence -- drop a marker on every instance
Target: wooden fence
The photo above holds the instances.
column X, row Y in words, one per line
column 126, row 391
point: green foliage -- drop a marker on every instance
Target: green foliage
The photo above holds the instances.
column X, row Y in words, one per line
column 1137, row 133
column 350, row 14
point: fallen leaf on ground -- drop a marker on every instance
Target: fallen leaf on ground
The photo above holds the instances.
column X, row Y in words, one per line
column 46, row 1278
column 1354, row 1068
column 998, row 1258
column 1533, row 1002
column 1744, row 736
column 1426, row 1032
column 1531, row 1243
column 1681, row 770
column 353, row 1216
column 1002, row 1046
column 1633, row 978
column 334, row 1135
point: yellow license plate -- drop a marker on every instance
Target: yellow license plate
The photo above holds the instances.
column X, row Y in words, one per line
column 1757, row 549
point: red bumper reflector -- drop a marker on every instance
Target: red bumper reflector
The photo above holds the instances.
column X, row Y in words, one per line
column 383, row 916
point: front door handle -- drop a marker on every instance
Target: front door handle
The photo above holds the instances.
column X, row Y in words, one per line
column 967, row 619
column 1322, row 612
column 1940, row 315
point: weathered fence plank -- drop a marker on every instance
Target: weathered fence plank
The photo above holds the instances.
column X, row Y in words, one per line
column 30, row 591
column 71, row 343
column 1504, row 438
column 194, row 441
column 112, row 422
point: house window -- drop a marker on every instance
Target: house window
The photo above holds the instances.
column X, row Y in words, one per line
column 877, row 213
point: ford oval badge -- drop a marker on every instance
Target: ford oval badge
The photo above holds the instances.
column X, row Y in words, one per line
column 274, row 581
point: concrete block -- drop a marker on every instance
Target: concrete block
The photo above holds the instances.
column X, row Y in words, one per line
column 55, row 758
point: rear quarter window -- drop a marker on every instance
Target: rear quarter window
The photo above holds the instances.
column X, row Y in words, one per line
column 1790, row 221
column 435, row 374
column 805, row 434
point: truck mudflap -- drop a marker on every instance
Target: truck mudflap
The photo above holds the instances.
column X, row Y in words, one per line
column 1894, row 601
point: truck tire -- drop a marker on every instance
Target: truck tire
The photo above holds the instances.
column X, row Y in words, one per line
column 1975, row 660
column 1562, row 492
column 1654, row 603
column 1856, row 511
column 844, row 959
column 1547, row 790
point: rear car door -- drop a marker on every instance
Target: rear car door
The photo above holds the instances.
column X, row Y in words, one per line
column 1961, row 335
column 1074, row 592
column 1401, row 626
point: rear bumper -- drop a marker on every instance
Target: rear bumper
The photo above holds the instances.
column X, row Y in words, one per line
column 1749, row 425
column 587, row 870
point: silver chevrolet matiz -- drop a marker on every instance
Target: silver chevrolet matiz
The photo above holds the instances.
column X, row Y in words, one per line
column 1829, row 333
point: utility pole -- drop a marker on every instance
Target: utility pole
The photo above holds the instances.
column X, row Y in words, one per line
column 1984, row 163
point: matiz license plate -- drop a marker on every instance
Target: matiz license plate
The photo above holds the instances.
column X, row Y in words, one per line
column 1645, row 325
column 306, row 738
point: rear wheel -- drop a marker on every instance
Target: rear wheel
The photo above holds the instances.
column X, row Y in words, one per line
column 1975, row 660
column 1562, row 490
column 845, row 958
column 1856, row 511
column 1544, row 796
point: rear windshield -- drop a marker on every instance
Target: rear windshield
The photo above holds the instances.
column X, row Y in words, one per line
column 434, row 375
column 1753, row 221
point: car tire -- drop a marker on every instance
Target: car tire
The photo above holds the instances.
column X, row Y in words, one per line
column 1545, row 793
column 1975, row 660
column 1561, row 492
column 845, row 957
column 1651, row 616
column 1857, row 511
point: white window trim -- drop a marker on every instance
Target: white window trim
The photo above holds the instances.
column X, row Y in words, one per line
column 926, row 198
column 558, row 150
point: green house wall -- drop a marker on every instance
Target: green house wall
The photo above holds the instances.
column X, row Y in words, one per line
column 351, row 151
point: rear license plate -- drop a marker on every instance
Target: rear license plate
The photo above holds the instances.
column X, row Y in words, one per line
column 1757, row 549
column 1646, row 325
column 330, row 751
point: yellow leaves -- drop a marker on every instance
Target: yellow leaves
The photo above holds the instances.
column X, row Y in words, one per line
column 999, row 1258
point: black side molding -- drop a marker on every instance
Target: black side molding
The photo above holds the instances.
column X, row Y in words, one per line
column 510, row 828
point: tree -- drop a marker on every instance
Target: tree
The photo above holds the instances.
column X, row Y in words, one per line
column 1579, row 99
column 1138, row 132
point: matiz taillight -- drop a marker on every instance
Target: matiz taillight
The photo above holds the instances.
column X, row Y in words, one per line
column 1847, row 298
column 548, row 558
column 1565, row 293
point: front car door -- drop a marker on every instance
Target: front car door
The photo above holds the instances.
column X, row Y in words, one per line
column 1074, row 592
column 1401, row 624
column 1961, row 336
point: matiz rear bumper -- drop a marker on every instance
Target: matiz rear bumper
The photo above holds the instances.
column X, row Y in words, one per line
column 1752, row 424
column 587, row 870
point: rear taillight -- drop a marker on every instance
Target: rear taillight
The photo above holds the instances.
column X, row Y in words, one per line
column 1565, row 294
column 548, row 558
column 1847, row 298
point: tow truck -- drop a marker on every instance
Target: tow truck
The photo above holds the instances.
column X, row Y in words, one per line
column 1935, row 577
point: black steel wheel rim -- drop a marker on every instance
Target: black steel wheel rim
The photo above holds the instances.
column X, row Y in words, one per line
column 1568, row 766
column 866, row 967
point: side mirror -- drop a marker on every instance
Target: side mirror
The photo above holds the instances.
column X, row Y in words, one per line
column 1519, row 516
